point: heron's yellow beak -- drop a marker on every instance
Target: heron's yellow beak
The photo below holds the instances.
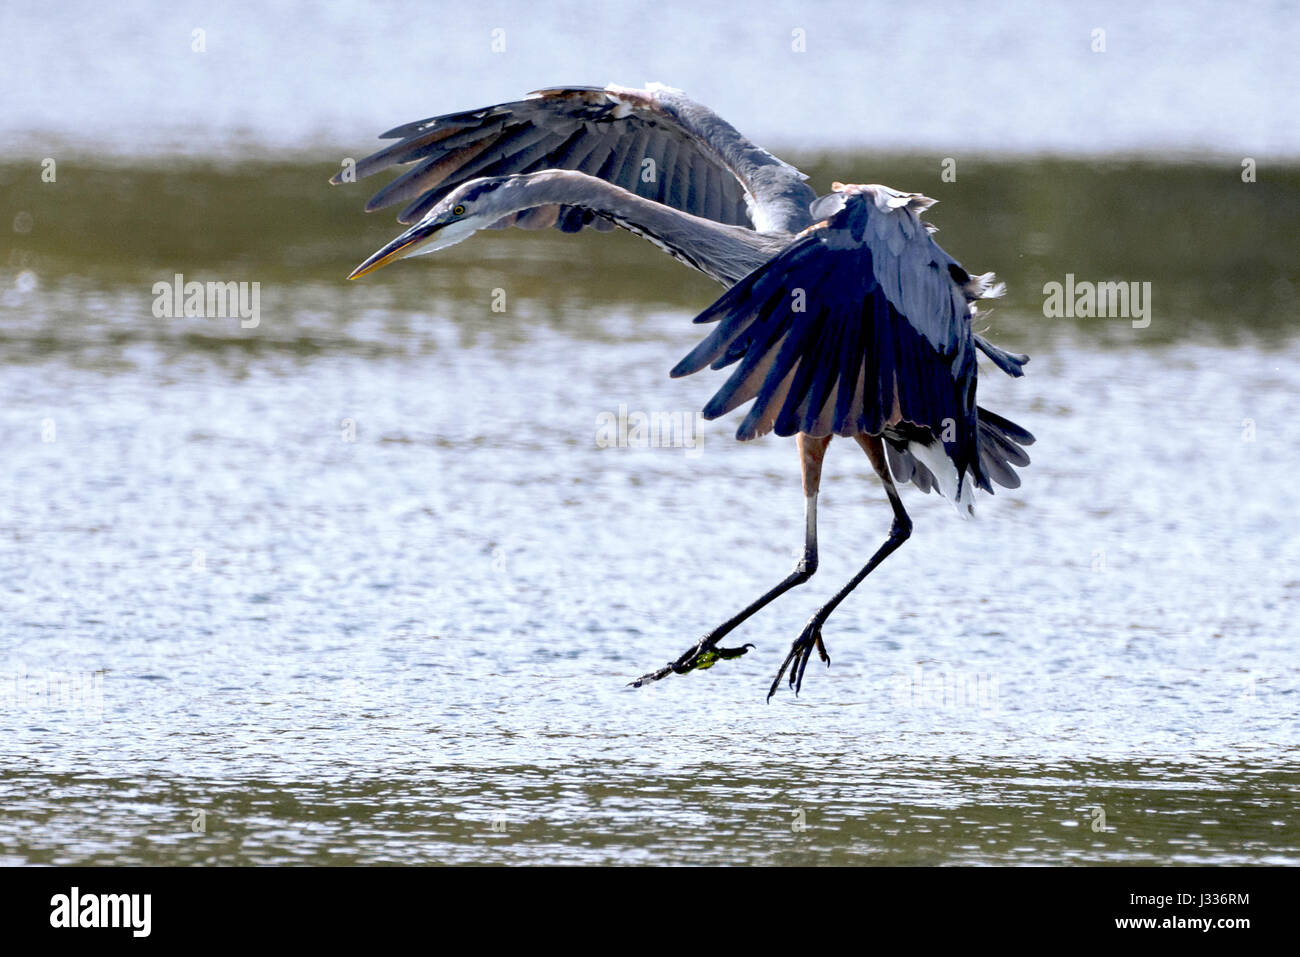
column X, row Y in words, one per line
column 399, row 248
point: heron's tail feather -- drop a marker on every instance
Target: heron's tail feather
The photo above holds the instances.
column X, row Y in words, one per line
column 1001, row 446
column 933, row 459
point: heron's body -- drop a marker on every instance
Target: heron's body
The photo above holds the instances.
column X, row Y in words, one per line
column 842, row 316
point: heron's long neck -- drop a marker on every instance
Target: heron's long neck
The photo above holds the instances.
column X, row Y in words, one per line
column 726, row 253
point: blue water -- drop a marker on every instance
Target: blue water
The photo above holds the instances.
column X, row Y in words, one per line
column 1174, row 77
column 371, row 649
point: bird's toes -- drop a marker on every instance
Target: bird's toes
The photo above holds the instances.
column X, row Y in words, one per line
column 821, row 650
column 733, row 652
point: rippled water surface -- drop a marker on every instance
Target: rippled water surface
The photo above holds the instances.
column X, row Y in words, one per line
column 360, row 584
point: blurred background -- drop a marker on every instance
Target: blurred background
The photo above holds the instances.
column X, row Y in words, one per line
column 359, row 584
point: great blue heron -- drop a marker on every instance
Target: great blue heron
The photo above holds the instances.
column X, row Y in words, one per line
column 843, row 314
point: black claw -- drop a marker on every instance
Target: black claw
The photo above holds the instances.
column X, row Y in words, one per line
column 652, row 676
column 729, row 653
column 821, row 650
column 797, row 660
column 776, row 682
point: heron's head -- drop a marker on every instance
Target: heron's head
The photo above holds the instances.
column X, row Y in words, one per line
column 458, row 215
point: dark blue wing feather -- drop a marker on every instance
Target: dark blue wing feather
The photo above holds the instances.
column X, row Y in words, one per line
column 858, row 327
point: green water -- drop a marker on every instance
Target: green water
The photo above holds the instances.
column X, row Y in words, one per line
column 1220, row 253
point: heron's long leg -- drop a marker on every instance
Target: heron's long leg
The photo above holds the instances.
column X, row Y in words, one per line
column 706, row 651
column 899, row 532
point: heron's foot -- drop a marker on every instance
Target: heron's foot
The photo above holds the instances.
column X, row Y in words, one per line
column 797, row 660
column 704, row 654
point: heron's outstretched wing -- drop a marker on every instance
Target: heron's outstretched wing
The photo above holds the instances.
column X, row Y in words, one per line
column 655, row 142
column 862, row 325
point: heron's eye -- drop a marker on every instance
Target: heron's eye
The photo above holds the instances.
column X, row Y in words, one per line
column 458, row 210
